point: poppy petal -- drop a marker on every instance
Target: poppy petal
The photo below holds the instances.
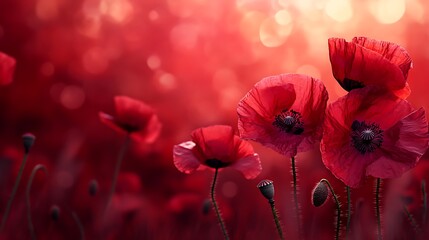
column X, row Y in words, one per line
column 111, row 122
column 404, row 144
column 355, row 66
column 7, row 68
column 249, row 166
column 214, row 142
column 183, row 157
column 133, row 113
column 391, row 51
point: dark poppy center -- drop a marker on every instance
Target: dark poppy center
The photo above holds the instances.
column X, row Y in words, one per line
column 350, row 84
column 216, row 163
column 289, row 121
column 129, row 128
column 366, row 138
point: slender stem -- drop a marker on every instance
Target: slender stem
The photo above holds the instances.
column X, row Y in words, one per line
column 337, row 202
column 295, row 195
column 117, row 169
column 276, row 219
column 377, row 208
column 219, row 217
column 27, row 197
column 14, row 190
column 425, row 202
column 79, row 224
column 411, row 219
column 349, row 209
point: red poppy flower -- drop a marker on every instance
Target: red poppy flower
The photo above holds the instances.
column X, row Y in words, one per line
column 365, row 61
column 216, row 147
column 7, row 67
column 134, row 118
column 284, row 112
column 372, row 132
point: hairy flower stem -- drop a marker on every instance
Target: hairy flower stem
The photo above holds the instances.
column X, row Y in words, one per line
column 377, row 208
column 79, row 224
column 14, row 190
column 349, row 209
column 27, row 197
column 337, row 230
column 117, row 169
column 412, row 220
column 425, row 202
column 276, row 219
column 219, row 217
column 295, row 196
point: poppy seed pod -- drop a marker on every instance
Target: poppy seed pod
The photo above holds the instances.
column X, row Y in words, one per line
column 267, row 189
column 319, row 194
column 93, row 187
column 55, row 212
column 28, row 141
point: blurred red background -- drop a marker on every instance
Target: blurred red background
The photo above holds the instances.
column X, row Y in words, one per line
column 192, row 60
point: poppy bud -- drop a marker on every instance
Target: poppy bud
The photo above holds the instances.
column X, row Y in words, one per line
column 55, row 212
column 206, row 206
column 93, row 187
column 267, row 189
column 319, row 194
column 28, row 141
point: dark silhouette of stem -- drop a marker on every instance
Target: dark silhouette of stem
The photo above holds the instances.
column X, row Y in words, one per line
column 377, row 208
column 276, row 219
column 337, row 230
column 412, row 220
column 295, row 196
column 80, row 226
column 117, row 169
column 14, row 190
column 27, row 197
column 219, row 217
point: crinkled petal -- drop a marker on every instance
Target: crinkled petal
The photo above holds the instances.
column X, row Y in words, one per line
column 7, row 68
column 404, row 144
column 214, row 142
column 308, row 97
column 355, row 66
column 184, row 158
column 249, row 166
column 391, row 51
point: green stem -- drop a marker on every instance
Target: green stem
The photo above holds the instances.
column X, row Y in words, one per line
column 219, row 217
column 80, row 226
column 377, row 208
column 117, row 169
column 27, row 197
column 349, row 209
column 425, row 202
column 295, row 195
column 14, row 190
column 412, row 220
column 276, row 219
column 337, row 230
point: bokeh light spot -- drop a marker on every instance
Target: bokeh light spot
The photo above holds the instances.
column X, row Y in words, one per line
column 387, row 11
column 118, row 10
column 47, row 69
column 339, row 10
column 184, row 36
column 167, row 81
column 153, row 62
column 273, row 34
column 153, row 15
column 283, row 17
column 47, row 9
column 72, row 97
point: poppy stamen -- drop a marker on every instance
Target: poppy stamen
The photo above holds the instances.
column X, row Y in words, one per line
column 289, row 121
column 366, row 137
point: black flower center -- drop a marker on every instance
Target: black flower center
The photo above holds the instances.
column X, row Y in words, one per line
column 216, row 163
column 289, row 121
column 366, row 137
column 350, row 84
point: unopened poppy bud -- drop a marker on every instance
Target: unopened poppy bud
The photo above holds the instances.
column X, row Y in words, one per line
column 55, row 212
column 93, row 187
column 207, row 204
column 28, row 141
column 320, row 194
column 267, row 189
